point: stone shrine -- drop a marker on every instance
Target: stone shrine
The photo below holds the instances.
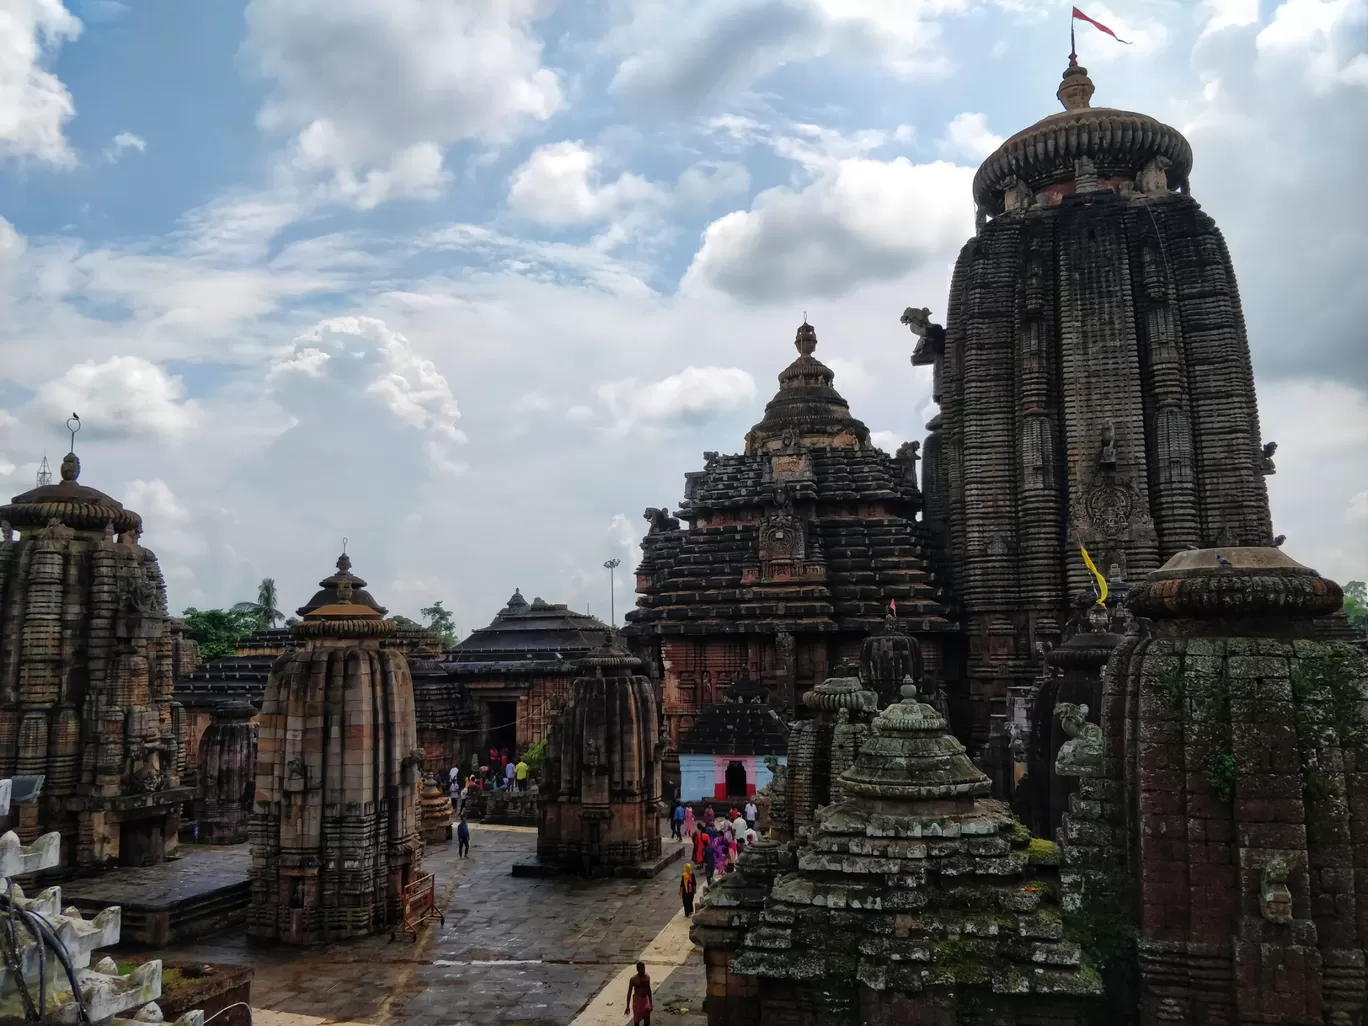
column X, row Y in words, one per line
column 515, row 672
column 1094, row 384
column 915, row 899
column 791, row 553
column 334, row 826
column 725, row 754
column 86, row 668
column 600, row 788
column 1221, row 803
column 227, row 770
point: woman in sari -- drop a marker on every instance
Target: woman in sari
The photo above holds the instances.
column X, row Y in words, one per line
column 689, row 824
column 688, row 887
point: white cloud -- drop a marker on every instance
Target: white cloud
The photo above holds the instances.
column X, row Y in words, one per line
column 860, row 220
column 363, row 353
column 702, row 185
column 1228, row 14
column 851, row 375
column 375, row 90
column 693, row 396
column 121, row 143
column 1357, row 512
column 888, row 441
column 967, row 137
column 34, row 104
column 1323, row 39
column 121, row 397
column 560, row 185
column 683, row 57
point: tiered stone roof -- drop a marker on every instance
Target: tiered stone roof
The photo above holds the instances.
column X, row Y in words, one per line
column 810, row 529
column 526, row 639
column 916, row 882
column 736, row 728
column 240, row 677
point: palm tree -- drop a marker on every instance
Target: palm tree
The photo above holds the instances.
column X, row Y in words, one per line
column 265, row 607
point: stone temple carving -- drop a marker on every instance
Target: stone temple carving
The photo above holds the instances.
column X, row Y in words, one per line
column 1094, row 386
column 754, row 586
column 601, row 782
column 1082, row 755
column 334, row 823
column 1227, row 814
column 86, row 670
column 227, row 769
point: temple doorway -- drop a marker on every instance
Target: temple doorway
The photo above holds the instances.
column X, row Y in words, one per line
column 503, row 726
column 142, row 842
column 736, row 779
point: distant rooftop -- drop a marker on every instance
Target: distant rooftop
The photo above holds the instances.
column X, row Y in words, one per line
column 530, row 637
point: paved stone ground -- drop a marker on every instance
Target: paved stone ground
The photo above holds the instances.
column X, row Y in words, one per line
column 513, row 951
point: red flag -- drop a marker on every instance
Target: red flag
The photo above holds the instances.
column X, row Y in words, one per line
column 1080, row 16
column 893, row 607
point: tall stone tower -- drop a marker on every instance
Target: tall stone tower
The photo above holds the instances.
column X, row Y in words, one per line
column 86, row 669
column 1094, row 384
column 334, row 823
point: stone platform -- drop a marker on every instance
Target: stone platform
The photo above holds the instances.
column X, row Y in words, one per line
column 203, row 891
column 535, row 867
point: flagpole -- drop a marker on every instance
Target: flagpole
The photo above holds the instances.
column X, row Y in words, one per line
column 1073, row 47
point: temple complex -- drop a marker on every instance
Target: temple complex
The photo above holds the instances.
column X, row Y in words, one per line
column 792, row 551
column 601, row 785
column 334, row 826
column 86, row 667
column 1094, row 384
column 241, row 677
column 514, row 672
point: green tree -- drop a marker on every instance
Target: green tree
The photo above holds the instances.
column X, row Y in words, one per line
column 266, row 607
column 1356, row 604
column 218, row 631
column 439, row 619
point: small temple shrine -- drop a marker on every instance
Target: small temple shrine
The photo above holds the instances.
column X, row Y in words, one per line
column 792, row 551
column 727, row 753
column 87, row 659
column 1094, row 383
column 600, row 794
column 515, row 672
column 334, row 827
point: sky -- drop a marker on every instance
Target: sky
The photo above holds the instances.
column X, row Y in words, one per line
column 471, row 283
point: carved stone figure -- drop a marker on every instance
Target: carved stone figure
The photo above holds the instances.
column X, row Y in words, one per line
column 660, row 520
column 1081, row 756
column 710, row 457
column 1016, row 195
column 1153, row 177
column 1266, row 464
column 1275, row 899
column 1108, row 454
column 1085, row 175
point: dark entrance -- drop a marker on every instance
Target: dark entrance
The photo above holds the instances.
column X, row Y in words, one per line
column 142, row 842
column 503, row 727
column 736, row 779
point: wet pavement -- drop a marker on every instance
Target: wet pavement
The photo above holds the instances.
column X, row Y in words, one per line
column 531, row 952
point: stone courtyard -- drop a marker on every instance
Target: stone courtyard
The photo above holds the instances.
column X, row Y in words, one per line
column 531, row 952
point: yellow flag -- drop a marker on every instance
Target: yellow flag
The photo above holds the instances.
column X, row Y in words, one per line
column 1101, row 581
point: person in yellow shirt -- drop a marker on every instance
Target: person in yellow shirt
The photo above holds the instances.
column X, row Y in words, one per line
column 520, row 774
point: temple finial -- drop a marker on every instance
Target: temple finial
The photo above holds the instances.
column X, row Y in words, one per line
column 73, row 425
column 1076, row 89
column 806, row 340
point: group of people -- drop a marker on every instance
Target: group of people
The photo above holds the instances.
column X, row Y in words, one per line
column 718, row 842
column 503, row 772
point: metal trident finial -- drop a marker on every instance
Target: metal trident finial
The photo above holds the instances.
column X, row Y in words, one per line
column 74, row 429
column 344, row 546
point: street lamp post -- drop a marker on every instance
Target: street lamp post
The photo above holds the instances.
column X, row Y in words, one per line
column 610, row 566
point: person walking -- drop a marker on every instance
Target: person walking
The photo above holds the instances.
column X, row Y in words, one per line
column 689, row 824
column 463, row 838
column 752, row 813
column 520, row 772
column 510, row 775
column 688, row 887
column 700, row 842
column 677, row 822
column 639, row 997
column 709, row 861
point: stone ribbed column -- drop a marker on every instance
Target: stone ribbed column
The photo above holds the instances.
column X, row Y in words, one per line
column 227, row 766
